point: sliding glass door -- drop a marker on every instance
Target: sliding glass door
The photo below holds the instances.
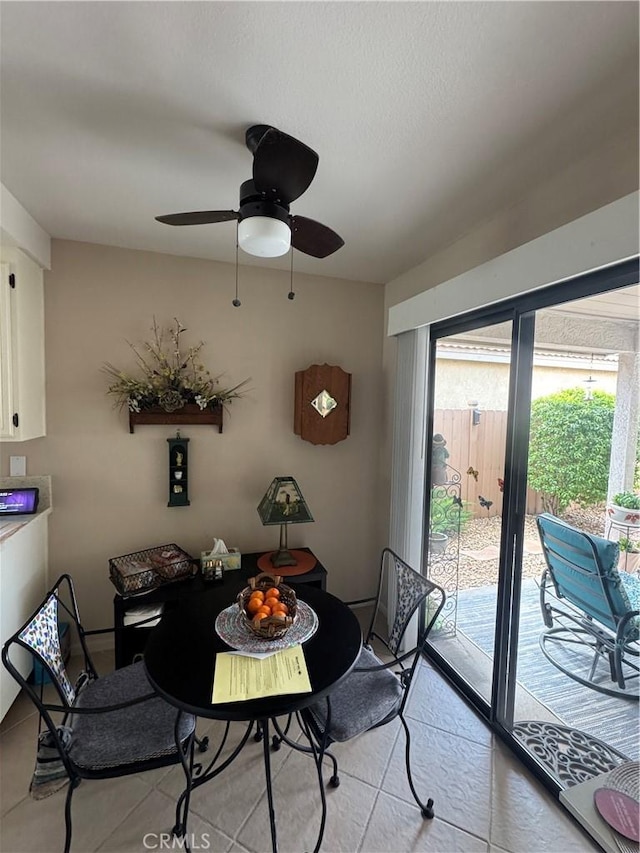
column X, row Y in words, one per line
column 532, row 408
column 582, row 446
column 470, row 405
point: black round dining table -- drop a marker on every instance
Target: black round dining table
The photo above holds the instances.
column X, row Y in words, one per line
column 180, row 660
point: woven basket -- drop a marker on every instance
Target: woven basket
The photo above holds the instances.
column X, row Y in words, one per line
column 271, row 628
column 145, row 570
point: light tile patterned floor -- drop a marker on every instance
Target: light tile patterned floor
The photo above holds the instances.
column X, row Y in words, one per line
column 485, row 801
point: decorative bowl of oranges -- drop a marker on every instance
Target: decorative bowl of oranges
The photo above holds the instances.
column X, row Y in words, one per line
column 268, row 607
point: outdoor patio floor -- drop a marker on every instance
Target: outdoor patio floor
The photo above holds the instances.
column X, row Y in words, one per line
column 614, row 720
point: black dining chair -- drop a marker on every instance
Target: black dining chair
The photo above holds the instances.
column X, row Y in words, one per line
column 376, row 692
column 110, row 726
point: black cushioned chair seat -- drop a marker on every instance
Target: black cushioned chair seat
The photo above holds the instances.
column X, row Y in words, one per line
column 363, row 700
column 123, row 737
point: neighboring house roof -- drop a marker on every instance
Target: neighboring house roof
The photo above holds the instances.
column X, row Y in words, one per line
column 542, row 357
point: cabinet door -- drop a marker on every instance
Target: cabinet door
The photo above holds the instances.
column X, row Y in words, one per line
column 21, row 348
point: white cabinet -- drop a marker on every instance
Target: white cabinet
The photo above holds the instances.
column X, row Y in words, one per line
column 22, row 400
column 23, row 583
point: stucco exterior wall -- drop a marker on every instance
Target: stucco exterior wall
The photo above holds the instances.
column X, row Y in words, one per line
column 458, row 383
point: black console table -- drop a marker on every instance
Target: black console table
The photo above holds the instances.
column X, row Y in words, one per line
column 130, row 641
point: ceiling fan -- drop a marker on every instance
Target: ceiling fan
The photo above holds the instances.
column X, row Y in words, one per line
column 283, row 169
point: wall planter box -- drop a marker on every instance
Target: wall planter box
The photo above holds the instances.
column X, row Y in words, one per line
column 191, row 413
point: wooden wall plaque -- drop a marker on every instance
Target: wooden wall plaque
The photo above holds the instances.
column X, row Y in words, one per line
column 322, row 404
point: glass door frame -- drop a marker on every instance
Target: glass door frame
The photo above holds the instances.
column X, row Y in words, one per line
column 520, row 311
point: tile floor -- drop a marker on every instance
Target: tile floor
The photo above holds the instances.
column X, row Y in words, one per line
column 484, row 800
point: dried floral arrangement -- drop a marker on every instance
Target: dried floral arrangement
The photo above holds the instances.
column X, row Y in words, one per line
column 171, row 376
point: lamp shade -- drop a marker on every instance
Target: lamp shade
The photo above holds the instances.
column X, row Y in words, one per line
column 264, row 237
column 283, row 503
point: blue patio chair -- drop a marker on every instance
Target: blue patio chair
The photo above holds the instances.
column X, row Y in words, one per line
column 590, row 609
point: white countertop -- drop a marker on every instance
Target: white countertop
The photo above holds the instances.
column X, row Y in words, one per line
column 9, row 525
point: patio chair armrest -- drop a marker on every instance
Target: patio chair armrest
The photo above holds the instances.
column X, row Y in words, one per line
column 103, row 709
column 625, row 622
column 546, row 586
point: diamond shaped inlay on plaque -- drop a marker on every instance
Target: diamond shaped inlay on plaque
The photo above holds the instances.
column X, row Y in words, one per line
column 324, row 403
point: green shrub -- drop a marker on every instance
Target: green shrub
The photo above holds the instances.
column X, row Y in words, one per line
column 570, row 446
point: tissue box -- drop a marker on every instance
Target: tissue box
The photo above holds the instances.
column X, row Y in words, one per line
column 230, row 561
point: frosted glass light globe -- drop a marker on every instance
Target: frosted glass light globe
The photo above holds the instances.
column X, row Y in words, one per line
column 264, row 237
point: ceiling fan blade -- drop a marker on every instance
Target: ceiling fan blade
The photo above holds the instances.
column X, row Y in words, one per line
column 282, row 163
column 198, row 217
column 314, row 238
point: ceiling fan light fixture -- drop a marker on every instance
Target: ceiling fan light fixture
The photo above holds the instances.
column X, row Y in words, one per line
column 264, row 237
column 283, row 168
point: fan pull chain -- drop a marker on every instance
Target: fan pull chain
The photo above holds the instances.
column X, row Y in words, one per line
column 291, row 294
column 236, row 302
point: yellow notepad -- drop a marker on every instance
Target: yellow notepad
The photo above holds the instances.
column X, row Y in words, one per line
column 238, row 678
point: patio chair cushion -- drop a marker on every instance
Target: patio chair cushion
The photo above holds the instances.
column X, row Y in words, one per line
column 571, row 548
column 361, row 701
column 571, row 551
column 43, row 636
column 142, row 732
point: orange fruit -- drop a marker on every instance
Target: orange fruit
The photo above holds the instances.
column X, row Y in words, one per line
column 270, row 600
column 273, row 592
column 264, row 610
column 253, row 605
column 280, row 607
column 257, row 594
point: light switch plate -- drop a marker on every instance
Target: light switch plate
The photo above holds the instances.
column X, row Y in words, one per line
column 17, row 466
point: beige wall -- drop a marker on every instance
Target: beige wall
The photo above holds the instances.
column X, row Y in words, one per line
column 110, row 487
column 608, row 173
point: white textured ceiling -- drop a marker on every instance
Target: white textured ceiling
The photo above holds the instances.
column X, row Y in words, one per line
column 428, row 117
